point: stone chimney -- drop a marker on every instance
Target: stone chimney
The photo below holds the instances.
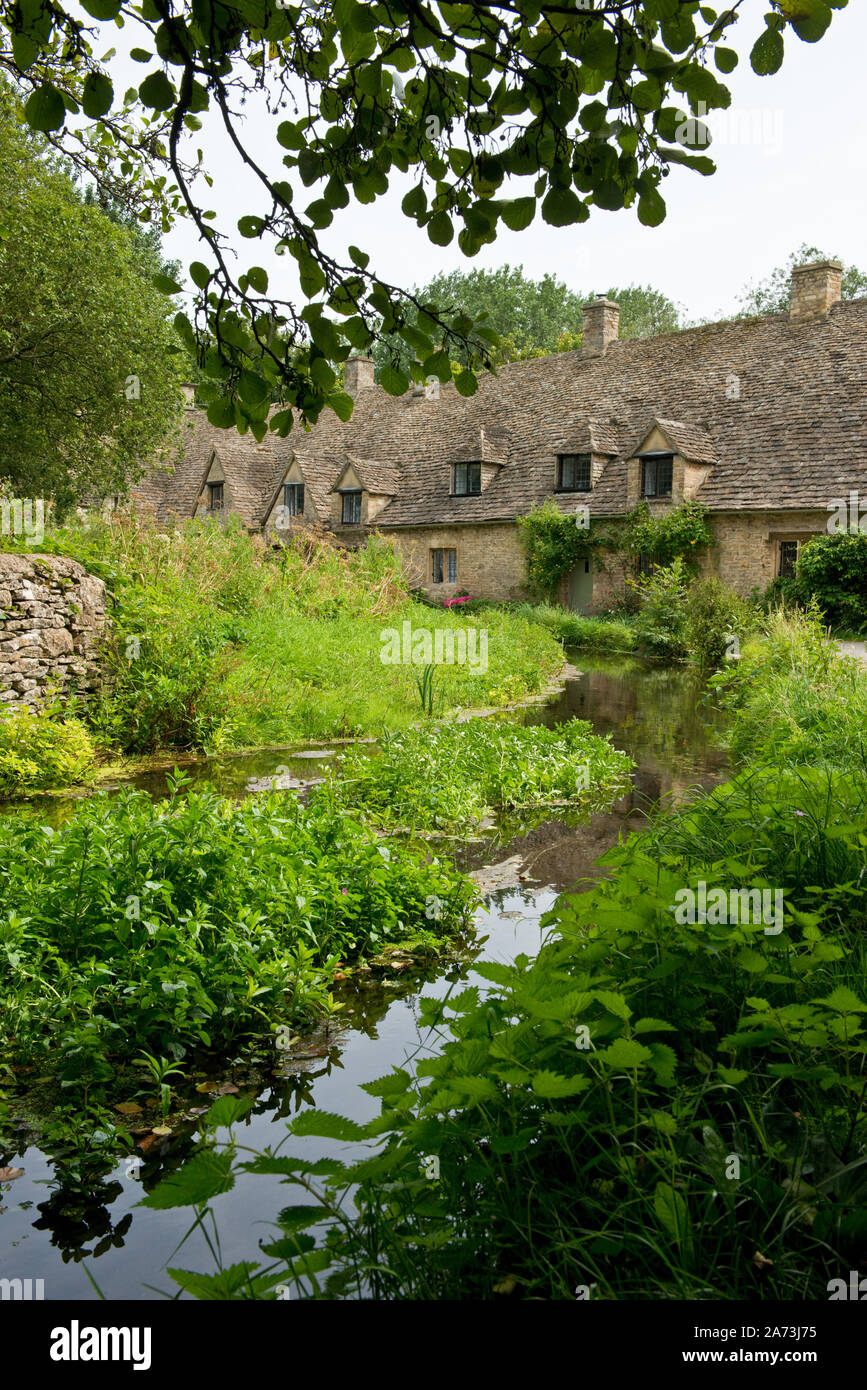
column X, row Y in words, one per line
column 601, row 317
column 816, row 288
column 358, row 375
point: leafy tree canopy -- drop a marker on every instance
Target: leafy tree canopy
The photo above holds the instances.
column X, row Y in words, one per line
column 498, row 113
column 88, row 382
column 773, row 294
column 531, row 318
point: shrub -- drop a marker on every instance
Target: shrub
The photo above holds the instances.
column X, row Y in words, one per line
column 578, row 630
column 713, row 615
column 660, row 623
column 833, row 570
column 679, row 532
column 553, row 544
column 39, row 749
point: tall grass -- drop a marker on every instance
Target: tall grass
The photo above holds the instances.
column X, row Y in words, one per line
column 218, row 642
column 794, row 697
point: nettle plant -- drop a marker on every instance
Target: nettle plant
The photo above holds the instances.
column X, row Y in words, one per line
column 452, row 102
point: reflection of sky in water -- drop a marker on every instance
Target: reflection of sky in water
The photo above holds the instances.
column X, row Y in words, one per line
column 653, row 713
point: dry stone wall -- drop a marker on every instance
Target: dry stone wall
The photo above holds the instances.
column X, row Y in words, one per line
column 52, row 615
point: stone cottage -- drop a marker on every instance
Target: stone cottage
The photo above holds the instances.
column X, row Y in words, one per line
column 762, row 420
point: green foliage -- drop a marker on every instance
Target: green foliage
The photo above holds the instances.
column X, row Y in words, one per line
column 553, row 543
column 531, row 318
column 680, row 531
column 454, row 776
column 832, row 569
column 576, row 630
column 193, row 922
column 660, row 623
column 714, row 614
column 216, row 643
column 792, row 696
column 773, row 294
column 39, row 749
column 463, row 101
column 78, row 318
column 641, row 1108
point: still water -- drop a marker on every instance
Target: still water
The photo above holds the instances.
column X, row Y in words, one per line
column 68, row 1215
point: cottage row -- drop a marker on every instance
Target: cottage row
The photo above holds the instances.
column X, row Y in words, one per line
column 762, row 420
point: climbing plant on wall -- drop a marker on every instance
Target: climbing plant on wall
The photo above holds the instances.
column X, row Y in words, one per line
column 554, row 542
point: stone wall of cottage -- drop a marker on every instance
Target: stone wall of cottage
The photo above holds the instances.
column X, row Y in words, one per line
column 747, row 554
column 52, row 615
column 490, row 559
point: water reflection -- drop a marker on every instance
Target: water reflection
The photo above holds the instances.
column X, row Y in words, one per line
column 86, row 1203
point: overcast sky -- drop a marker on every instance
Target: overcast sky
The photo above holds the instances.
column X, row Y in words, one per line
column 792, row 168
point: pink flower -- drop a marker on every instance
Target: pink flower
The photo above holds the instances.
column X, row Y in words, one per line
column 343, row 891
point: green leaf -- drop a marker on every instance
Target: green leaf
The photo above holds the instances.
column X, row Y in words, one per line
column 166, row 285
column 157, row 92
column 726, row 59
column 343, row 406
column 552, row 1086
column 768, row 52
column 226, row 1284
column 842, row 1000
column 199, row 274
column 227, row 1110
column 625, row 1052
column 44, row 108
column 205, row 1175
column 393, row 380
column 326, row 1125
column 562, row 206
column 518, row 213
column 808, row 18
column 258, row 279
column 392, row 1084
column 102, row 9
column 672, row 1214
column 97, row 95
column 250, row 226
column 440, row 229
column 466, row 383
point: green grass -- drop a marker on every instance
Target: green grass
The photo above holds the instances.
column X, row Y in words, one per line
column 218, row 643
column 576, row 630
column 794, row 698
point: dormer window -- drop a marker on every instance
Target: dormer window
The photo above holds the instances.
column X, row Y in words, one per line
column 656, row 475
column 293, row 499
column 351, row 510
column 574, row 473
column 215, row 497
column 467, row 480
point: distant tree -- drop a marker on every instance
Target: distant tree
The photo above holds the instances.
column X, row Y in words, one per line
column 88, row 376
column 532, row 318
column 773, row 294
column 147, row 238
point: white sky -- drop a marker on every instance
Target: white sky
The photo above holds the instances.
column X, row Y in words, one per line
column 803, row 180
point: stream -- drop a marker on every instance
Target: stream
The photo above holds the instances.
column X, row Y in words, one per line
column 55, row 1229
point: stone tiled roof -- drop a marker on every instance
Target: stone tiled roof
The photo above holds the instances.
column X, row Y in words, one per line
column 378, row 478
column 778, row 406
column 692, row 441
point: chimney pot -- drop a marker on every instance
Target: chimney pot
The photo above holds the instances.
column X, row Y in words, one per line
column 358, row 375
column 816, row 288
column 601, row 319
